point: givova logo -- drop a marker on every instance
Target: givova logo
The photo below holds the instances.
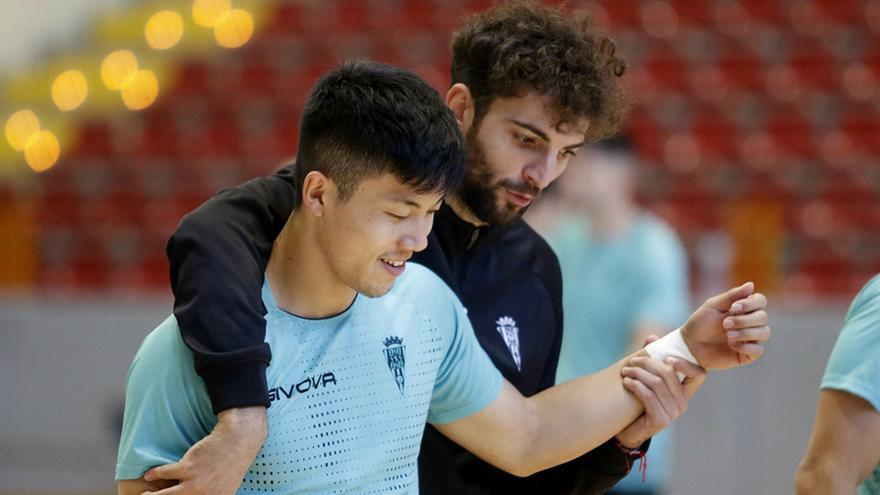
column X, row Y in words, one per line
column 308, row 384
column 395, row 355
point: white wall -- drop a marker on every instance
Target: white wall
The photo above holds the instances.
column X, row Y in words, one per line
column 30, row 27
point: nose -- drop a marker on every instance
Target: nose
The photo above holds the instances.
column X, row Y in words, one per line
column 416, row 237
column 544, row 171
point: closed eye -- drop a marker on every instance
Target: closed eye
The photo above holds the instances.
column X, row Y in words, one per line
column 396, row 217
column 524, row 139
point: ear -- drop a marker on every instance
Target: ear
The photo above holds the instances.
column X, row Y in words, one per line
column 460, row 100
column 317, row 190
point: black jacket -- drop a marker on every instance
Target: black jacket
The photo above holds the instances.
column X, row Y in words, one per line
column 507, row 277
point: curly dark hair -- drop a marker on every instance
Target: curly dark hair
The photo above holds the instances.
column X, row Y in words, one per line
column 525, row 46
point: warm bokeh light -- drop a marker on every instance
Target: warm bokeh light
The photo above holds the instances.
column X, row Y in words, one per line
column 42, row 151
column 234, row 28
column 207, row 13
column 117, row 67
column 164, row 30
column 69, row 90
column 20, row 128
column 141, row 90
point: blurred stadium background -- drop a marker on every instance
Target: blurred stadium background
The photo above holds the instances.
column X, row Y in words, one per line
column 758, row 122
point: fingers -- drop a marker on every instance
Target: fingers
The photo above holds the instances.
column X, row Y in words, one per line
column 650, row 340
column 694, row 374
column 757, row 335
column 174, row 471
column 751, row 303
column 653, row 408
column 723, row 301
column 690, row 370
column 660, row 378
column 748, row 351
column 754, row 319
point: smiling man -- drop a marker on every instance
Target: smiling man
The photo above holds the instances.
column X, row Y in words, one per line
column 530, row 85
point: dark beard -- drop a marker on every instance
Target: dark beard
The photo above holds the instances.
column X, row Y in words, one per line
column 478, row 189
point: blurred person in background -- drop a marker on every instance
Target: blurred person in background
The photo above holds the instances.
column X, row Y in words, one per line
column 843, row 456
column 531, row 84
column 624, row 271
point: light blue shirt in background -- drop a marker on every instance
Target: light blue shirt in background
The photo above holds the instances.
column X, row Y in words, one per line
column 350, row 395
column 609, row 287
column 854, row 366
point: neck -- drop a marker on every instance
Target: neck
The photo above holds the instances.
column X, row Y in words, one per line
column 458, row 207
column 612, row 219
column 301, row 277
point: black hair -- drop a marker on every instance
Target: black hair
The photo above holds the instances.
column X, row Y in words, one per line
column 364, row 119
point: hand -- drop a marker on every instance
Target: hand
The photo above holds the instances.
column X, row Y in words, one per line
column 216, row 464
column 658, row 387
column 729, row 329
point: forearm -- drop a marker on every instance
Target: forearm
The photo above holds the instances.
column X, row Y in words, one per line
column 576, row 417
column 139, row 486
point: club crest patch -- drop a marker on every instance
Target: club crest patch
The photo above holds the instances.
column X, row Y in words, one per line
column 396, row 358
column 506, row 326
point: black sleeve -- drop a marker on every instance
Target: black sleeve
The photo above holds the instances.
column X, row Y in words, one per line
column 217, row 256
column 553, row 279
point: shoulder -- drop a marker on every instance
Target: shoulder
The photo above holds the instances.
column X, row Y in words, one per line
column 163, row 349
column 868, row 299
column 525, row 246
column 855, row 361
column 422, row 287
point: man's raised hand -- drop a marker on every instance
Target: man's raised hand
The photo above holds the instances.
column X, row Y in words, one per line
column 729, row 329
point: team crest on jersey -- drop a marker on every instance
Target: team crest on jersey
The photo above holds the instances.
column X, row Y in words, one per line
column 506, row 326
column 395, row 355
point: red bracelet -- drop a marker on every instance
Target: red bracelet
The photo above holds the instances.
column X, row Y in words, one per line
column 632, row 454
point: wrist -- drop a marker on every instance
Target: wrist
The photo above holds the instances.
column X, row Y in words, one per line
column 629, row 443
column 674, row 344
column 247, row 421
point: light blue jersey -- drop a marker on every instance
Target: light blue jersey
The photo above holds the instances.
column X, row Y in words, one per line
column 854, row 366
column 609, row 287
column 350, row 395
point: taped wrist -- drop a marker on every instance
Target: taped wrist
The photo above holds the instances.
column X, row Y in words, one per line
column 671, row 345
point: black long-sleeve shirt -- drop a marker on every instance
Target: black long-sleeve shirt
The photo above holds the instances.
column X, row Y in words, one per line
column 506, row 276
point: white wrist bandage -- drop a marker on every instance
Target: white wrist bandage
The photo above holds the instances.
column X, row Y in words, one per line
column 671, row 345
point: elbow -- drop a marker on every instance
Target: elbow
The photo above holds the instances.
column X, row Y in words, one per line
column 804, row 480
column 822, row 478
column 521, row 466
column 520, row 470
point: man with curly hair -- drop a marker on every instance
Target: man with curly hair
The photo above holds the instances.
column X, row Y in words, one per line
column 531, row 84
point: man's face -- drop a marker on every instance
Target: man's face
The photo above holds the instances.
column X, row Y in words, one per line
column 367, row 238
column 514, row 152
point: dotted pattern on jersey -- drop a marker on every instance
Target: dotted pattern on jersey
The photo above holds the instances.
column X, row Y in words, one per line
column 339, row 422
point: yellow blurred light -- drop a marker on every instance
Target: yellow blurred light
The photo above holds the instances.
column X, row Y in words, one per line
column 117, row 67
column 207, row 13
column 69, row 90
column 20, row 128
column 234, row 28
column 164, row 30
column 42, row 151
column 141, row 90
